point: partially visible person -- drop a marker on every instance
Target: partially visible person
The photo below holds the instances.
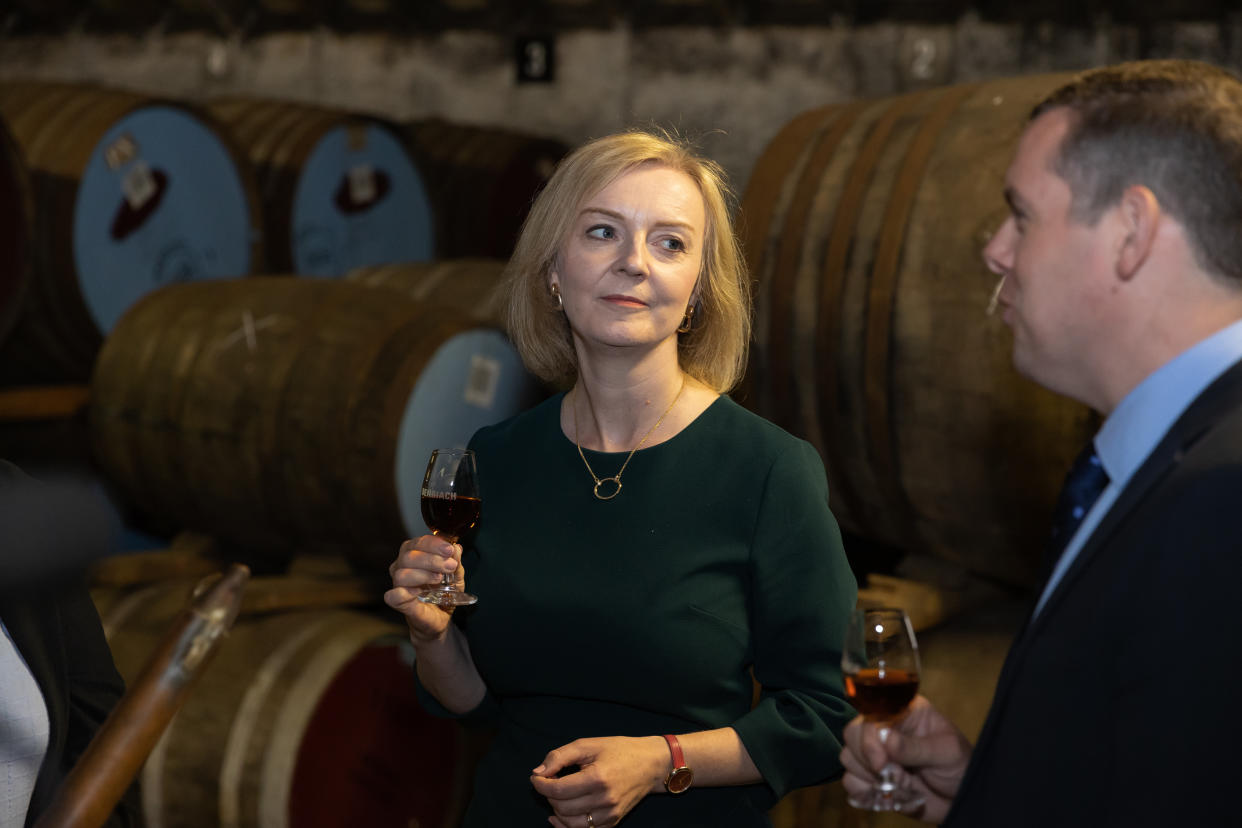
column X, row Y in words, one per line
column 1122, row 269
column 646, row 545
column 58, row 682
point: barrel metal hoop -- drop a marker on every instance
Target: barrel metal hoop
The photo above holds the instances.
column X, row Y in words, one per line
column 768, row 179
column 762, row 231
column 781, row 305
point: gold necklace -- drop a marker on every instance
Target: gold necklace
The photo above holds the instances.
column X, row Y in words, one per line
column 616, row 478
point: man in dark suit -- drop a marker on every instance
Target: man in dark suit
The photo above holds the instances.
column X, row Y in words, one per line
column 1122, row 269
column 59, row 682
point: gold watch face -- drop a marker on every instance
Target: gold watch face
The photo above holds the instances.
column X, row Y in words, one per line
column 679, row 780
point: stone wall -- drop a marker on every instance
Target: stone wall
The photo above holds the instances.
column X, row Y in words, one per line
column 732, row 87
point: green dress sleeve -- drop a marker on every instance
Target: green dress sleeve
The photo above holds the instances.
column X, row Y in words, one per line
column 803, row 592
column 485, row 714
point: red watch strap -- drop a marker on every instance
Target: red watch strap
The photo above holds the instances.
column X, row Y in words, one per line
column 679, row 761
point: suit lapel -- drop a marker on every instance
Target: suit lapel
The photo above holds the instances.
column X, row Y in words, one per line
column 1215, row 402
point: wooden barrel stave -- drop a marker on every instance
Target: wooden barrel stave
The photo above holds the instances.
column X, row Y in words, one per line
column 482, row 180
column 473, row 286
column 244, row 345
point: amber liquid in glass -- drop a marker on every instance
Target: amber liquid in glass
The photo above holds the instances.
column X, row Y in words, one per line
column 450, row 516
column 881, row 694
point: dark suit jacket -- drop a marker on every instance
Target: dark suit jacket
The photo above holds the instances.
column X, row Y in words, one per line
column 57, row 631
column 1117, row 704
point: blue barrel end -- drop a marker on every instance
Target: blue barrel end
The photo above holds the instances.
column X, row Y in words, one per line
column 359, row 201
column 160, row 201
column 473, row 380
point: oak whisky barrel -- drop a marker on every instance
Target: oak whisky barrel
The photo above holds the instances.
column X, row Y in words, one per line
column 303, row 719
column 131, row 193
column 863, row 223
column 339, row 190
column 280, row 413
column 482, row 180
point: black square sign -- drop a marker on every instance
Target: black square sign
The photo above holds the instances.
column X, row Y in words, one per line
column 536, row 59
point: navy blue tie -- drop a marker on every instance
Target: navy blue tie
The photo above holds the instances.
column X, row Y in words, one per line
column 1083, row 484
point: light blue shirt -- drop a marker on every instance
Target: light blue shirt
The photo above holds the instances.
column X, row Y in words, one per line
column 1140, row 422
column 24, row 732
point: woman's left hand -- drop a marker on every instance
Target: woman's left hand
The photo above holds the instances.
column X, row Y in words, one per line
column 614, row 774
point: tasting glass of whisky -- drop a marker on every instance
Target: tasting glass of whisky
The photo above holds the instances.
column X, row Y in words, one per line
column 880, row 661
column 451, row 505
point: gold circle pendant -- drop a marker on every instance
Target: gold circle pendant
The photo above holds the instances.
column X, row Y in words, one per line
column 615, row 492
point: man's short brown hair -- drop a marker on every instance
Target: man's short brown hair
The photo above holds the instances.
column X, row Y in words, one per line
column 1173, row 126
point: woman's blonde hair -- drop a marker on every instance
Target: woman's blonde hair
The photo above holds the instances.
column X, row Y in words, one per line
column 714, row 350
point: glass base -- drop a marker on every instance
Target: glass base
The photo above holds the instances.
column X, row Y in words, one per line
column 888, row 798
column 446, row 596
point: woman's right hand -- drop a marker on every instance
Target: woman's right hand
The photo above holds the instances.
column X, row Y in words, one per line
column 422, row 561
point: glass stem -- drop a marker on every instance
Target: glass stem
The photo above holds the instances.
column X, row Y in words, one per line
column 887, row 785
column 446, row 578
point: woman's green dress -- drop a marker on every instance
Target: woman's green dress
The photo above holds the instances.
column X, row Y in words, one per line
column 648, row 613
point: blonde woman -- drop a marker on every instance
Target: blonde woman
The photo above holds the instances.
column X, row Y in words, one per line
column 646, row 544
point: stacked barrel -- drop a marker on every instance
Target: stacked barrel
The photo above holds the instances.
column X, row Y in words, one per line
column 483, row 181
column 119, row 203
column 864, row 223
column 130, row 193
column 305, row 717
column 294, row 414
column 112, row 194
column 339, row 190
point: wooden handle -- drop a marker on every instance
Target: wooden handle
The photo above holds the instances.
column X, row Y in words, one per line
column 50, row 402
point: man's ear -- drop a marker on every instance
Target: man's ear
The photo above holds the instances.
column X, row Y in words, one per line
column 1140, row 218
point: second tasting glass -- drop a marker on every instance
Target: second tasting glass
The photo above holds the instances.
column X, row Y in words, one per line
column 451, row 505
column 880, row 661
